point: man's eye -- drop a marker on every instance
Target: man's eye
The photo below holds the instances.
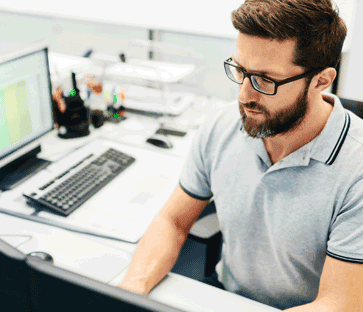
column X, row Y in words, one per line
column 265, row 80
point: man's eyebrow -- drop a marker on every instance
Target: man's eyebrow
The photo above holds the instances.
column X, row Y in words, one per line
column 260, row 72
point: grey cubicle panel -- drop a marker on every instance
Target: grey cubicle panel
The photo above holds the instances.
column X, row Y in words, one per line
column 202, row 249
column 28, row 283
column 13, row 279
column 56, row 289
column 354, row 106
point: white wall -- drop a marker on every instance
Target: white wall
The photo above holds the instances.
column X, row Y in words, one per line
column 193, row 16
column 76, row 36
column 202, row 17
column 351, row 82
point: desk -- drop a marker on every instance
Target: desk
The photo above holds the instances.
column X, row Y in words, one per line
column 175, row 290
column 76, row 252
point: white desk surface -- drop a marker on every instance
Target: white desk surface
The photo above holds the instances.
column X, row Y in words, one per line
column 101, row 255
column 193, row 17
column 174, row 289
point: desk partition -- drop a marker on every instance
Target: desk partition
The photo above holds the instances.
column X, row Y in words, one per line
column 13, row 279
column 28, row 283
column 55, row 289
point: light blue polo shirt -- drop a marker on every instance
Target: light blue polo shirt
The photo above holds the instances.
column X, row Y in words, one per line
column 280, row 221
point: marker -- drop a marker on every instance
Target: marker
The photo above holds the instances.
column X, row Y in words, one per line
column 72, row 92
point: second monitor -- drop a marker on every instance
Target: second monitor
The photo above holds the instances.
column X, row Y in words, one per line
column 28, row 283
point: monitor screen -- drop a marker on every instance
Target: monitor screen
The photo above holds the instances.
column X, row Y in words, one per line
column 25, row 100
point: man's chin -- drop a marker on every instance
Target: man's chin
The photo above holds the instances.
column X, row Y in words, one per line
column 254, row 131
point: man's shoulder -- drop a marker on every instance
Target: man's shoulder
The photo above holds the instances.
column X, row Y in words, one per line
column 223, row 116
column 356, row 128
column 221, row 124
column 352, row 150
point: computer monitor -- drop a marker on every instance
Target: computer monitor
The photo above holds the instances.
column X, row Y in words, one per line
column 28, row 283
column 56, row 289
column 26, row 113
column 14, row 279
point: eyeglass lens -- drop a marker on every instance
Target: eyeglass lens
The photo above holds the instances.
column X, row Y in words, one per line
column 259, row 83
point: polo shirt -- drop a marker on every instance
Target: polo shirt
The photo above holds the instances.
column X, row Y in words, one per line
column 279, row 221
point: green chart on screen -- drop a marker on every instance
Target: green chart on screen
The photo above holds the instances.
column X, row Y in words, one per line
column 14, row 104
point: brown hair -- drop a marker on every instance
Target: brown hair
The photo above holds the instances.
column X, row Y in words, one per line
column 314, row 24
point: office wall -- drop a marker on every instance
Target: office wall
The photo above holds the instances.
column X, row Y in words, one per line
column 351, row 85
column 188, row 15
column 76, row 36
column 214, row 50
column 64, row 35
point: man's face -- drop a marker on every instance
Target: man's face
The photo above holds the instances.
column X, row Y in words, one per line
column 278, row 113
column 282, row 120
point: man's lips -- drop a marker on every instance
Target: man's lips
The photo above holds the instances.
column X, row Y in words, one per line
column 253, row 111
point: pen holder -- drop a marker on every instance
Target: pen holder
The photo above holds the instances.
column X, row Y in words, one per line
column 97, row 118
column 73, row 121
column 116, row 115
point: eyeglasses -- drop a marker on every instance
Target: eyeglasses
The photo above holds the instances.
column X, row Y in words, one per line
column 260, row 83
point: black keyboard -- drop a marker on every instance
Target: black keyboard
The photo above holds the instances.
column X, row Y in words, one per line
column 68, row 195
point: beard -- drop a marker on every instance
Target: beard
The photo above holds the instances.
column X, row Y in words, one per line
column 284, row 120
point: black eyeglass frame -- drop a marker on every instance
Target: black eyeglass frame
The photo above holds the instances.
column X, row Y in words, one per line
column 277, row 83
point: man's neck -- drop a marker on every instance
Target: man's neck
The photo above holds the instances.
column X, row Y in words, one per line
column 280, row 146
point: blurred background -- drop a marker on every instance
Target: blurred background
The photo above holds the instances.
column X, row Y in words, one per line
column 182, row 32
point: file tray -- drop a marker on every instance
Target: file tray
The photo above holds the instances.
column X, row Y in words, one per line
column 64, row 63
column 151, row 70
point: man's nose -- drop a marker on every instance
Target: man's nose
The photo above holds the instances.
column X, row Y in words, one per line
column 247, row 93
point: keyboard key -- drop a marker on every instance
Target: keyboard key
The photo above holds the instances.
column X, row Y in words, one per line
column 76, row 189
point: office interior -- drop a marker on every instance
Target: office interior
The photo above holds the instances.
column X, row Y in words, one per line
column 74, row 35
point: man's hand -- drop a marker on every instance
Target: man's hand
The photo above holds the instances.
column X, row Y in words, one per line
column 158, row 250
column 141, row 290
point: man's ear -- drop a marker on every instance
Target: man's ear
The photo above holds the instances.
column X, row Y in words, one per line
column 324, row 79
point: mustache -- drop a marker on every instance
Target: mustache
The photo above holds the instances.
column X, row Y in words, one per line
column 252, row 106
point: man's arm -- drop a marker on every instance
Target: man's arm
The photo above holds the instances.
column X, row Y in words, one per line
column 340, row 288
column 159, row 249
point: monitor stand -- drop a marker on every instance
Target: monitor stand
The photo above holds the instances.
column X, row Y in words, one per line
column 21, row 169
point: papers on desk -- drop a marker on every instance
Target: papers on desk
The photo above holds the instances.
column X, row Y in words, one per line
column 123, row 209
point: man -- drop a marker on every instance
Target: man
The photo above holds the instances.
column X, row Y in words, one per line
column 287, row 179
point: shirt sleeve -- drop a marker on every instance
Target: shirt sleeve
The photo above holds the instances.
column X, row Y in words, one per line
column 346, row 237
column 194, row 179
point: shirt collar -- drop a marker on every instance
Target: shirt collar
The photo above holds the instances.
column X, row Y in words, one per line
column 324, row 148
column 329, row 142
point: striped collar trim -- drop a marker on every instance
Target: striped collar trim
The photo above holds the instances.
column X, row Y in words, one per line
column 327, row 145
column 340, row 141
